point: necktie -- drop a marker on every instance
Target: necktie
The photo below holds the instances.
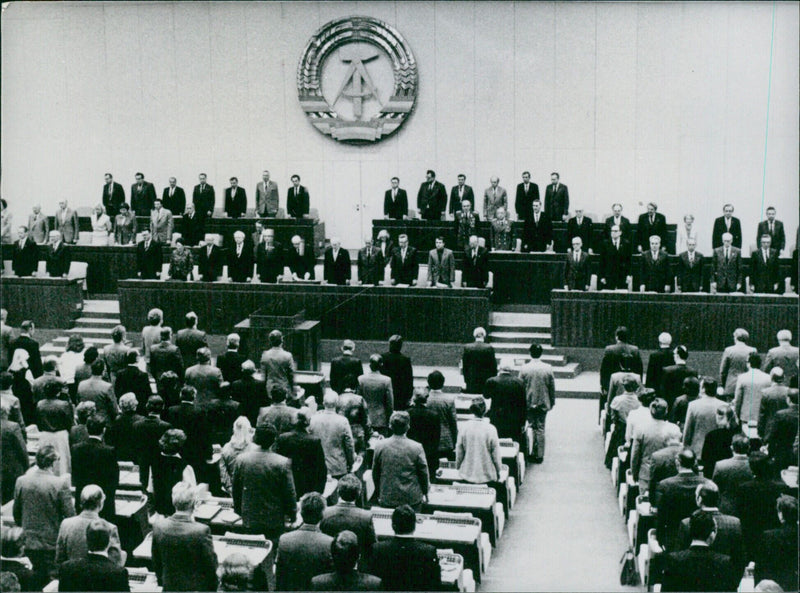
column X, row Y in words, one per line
column 295, row 192
column 202, row 187
column 494, row 193
column 171, row 192
column 383, row 249
column 403, row 255
column 431, row 187
column 460, row 191
column 146, row 245
column 691, row 257
column 239, row 250
column 577, row 257
column 536, row 218
column 335, row 254
column 110, row 187
column 474, row 254
column 209, row 251
column 766, row 254
column 771, row 227
column 394, row 194
column 616, row 245
column 651, row 219
column 526, row 188
column 727, row 254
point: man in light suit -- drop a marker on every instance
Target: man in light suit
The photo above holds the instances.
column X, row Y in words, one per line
column 475, row 273
column 784, row 355
column 556, row 199
column 581, row 226
column 690, row 268
column 576, row 272
column 395, row 201
column 277, row 365
column 161, row 223
column 334, row 432
column 66, row 221
column 773, row 228
column 459, row 193
column 616, row 219
column 727, row 223
column 399, row 467
column 205, row 378
column 729, row 473
column 148, row 257
column 25, row 255
column 267, row 197
column 173, row 198
column 734, row 360
column 95, row 571
column 403, row 262
column 431, row 198
column 96, row 389
column 297, row 199
column 650, row 223
column 143, row 194
column 764, row 268
column 113, row 196
column 203, row 198
column 336, row 266
column 235, row 200
column 540, row 395
column 211, row 259
column 656, row 273
column 71, row 543
column 305, row 552
column 494, row 197
column 441, row 265
column 58, row 256
column 376, row 389
column 190, row 339
column 527, row 192
column 727, row 266
column 38, row 225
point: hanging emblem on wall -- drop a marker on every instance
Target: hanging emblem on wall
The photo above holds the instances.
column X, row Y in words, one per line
column 357, row 80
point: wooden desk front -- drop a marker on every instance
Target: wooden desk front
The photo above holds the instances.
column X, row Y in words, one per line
column 48, row 302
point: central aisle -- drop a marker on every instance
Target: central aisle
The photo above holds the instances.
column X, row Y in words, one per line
column 565, row 532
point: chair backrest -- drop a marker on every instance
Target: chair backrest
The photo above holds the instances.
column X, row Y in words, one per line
column 281, row 213
column 84, row 237
column 77, row 269
column 422, row 276
column 224, row 276
column 412, row 213
column 41, row 270
column 175, row 236
column 457, row 281
column 313, row 213
column 164, row 270
column 7, row 269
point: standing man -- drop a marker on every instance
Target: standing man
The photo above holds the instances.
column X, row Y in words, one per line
column 576, row 272
column 556, row 199
column 161, row 223
column 203, row 198
column 727, row 223
column 235, row 200
column 466, row 224
column 26, row 342
column 651, row 223
column 148, row 257
column 616, row 219
column 113, row 196
column 475, row 273
column 673, row 376
column 334, row 432
column 143, row 194
column 615, row 262
column 210, row 260
column 193, row 226
column 266, row 197
column 38, row 226
column 527, row 192
column 376, row 389
column 395, row 201
column 784, row 355
column 58, row 256
column 240, row 260
column 344, row 366
column 727, row 266
column 494, row 197
column 66, row 221
column 301, row 260
column 659, row 360
column 336, row 266
column 771, row 227
column 478, row 362
column 537, row 232
column 459, row 193
column 370, row 268
column 173, row 198
column 94, row 462
column 656, row 275
column 277, row 365
column 403, row 262
column 540, row 395
column 269, row 257
column 190, row 339
column 509, row 405
column 431, row 198
column 25, row 255
column 618, row 356
column 297, row 200
column 441, row 263
column 581, row 226
column 399, row 467
column 764, row 268
column 690, row 268
column 734, row 360
column 397, row 366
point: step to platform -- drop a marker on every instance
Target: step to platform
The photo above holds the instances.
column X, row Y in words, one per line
column 521, row 349
column 499, row 319
column 99, row 342
column 521, row 337
column 101, row 309
column 92, row 332
column 109, row 322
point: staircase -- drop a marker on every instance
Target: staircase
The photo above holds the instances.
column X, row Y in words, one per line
column 95, row 326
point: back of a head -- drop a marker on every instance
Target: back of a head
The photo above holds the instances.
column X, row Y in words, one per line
column 50, row 364
column 630, row 384
column 776, row 375
column 435, row 380
column 741, row 334
column 184, row 496
column 708, row 492
column 154, row 316
column 687, row 459
column 85, row 410
column 190, row 319
column 235, row 573
column 330, row 400
column 90, row 355
column 165, row 334
column 98, row 367
column 395, row 344
column 740, row 444
column 26, row 326
column 754, row 360
column 621, row 333
column 691, row 386
column 92, row 497
column 420, row 396
column 682, row 352
column 118, row 333
column 203, row 355
column 646, row 396
column 97, row 536
column 132, row 356
column 265, row 435
column 275, row 338
column 345, row 551
column 128, row 403
column 6, row 380
column 155, row 404
column 349, row 488
column 759, row 464
column 248, row 368
column 784, row 335
column 768, row 586
column 478, row 406
column 9, row 581
column 404, row 520
column 658, row 409
column 375, row 362
column 95, row 425
column 312, row 506
column 46, row 456
column 172, row 441
column 664, row 339
column 787, row 507
column 399, row 422
column 12, row 541
column 348, row 346
column 188, row 393
column 278, row 393
column 479, row 333
column 303, row 418
column 536, row 350
column 701, row 525
column 709, row 386
column 233, row 341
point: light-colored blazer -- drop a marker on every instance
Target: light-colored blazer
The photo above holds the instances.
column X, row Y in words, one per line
column 38, row 227
column 267, row 198
column 491, row 203
column 478, row 452
column 443, row 271
column 66, row 221
column 161, row 225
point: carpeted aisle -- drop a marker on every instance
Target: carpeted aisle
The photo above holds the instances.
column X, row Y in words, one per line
column 565, row 532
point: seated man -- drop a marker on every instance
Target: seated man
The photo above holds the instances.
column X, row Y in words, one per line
column 345, row 554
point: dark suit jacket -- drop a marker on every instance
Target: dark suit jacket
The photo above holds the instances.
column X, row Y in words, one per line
column 616, row 357
column 269, row 263
column 584, row 230
column 235, row 206
column 728, row 540
column 149, row 263
column 615, row 265
column 302, row 554
column 193, row 229
column 341, row 367
column 778, row 234
column 31, row 346
column 425, row 429
column 556, row 201
column 301, row 264
column 370, row 265
column 121, row 436
column 25, row 261
column 134, row 380
column 675, row 501
column 240, row 267
column 577, row 275
column 251, row 395
column 475, row 272
column 183, row 555
column 404, row 272
column 142, row 201
column 189, row 340
column 479, row 363
column 776, row 557
column 297, row 205
column 699, row 569
column 308, row 460
column 165, row 357
column 397, row 208
column 431, row 202
column 727, row 274
column 93, row 573
column 346, row 516
column 523, row 202
column 14, row 455
column 645, row 230
column 147, row 432
column 662, row 466
column 96, row 463
column 624, row 227
column 719, row 230
column 690, row 276
column 658, row 360
column 672, row 382
column 536, row 237
column 58, row 260
column 210, row 266
column 175, row 204
column 398, row 368
column 392, row 553
column 781, row 439
column 353, row 581
column 192, row 420
column 204, row 200
column 115, row 200
column 509, row 405
column 336, row 272
column 455, row 201
column 755, row 506
column 764, row 275
column 230, row 363
column 656, row 273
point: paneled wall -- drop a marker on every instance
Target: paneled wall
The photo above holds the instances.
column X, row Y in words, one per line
column 630, row 102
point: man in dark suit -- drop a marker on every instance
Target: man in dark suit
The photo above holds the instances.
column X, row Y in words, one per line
column 784, row 432
column 96, row 463
column 690, row 268
column 25, row 255
column 459, row 193
column 395, row 201
column 305, row 451
column 190, row 339
column 425, row 428
column 300, row 260
column 776, row 557
column 269, row 257
column 537, row 232
column 336, row 264
column 404, row 550
column 618, row 356
column 397, row 367
column 616, row 219
column 509, row 407
column 240, row 260
column 345, row 515
column 581, row 226
column 727, row 223
column 58, row 256
column 663, row 357
column 673, row 375
column 651, row 223
column 305, row 552
column 478, row 362
column 730, row 473
column 230, row 362
column 148, row 431
column 165, row 356
column 235, row 199
column 173, row 198
column 203, row 198
column 345, row 554
column 764, row 267
column 475, row 272
column 615, row 261
column 431, row 198
column 143, row 194
column 13, row 454
column 193, row 226
column 556, row 199
column 297, row 199
column 403, row 262
column 251, row 393
column 576, row 272
column 727, row 266
column 773, row 228
column 148, row 257
column 132, row 379
column 370, row 263
column 183, row 551
column 266, row 197
column 113, row 196
column 656, row 272
column 210, row 260
column 190, row 417
column 699, row 568
column 344, row 366
column 527, row 192
column 95, row 572
column 26, row 342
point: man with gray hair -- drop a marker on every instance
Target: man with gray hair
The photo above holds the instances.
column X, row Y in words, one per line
column 205, row 378
column 300, row 259
column 727, row 266
column 240, row 260
column 336, row 435
column 734, row 361
column 659, row 359
column 399, row 467
column 71, row 543
column 344, row 366
column 370, row 263
column 336, row 264
column 784, row 355
column 509, row 407
column 773, row 400
column 230, row 362
column 478, row 362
